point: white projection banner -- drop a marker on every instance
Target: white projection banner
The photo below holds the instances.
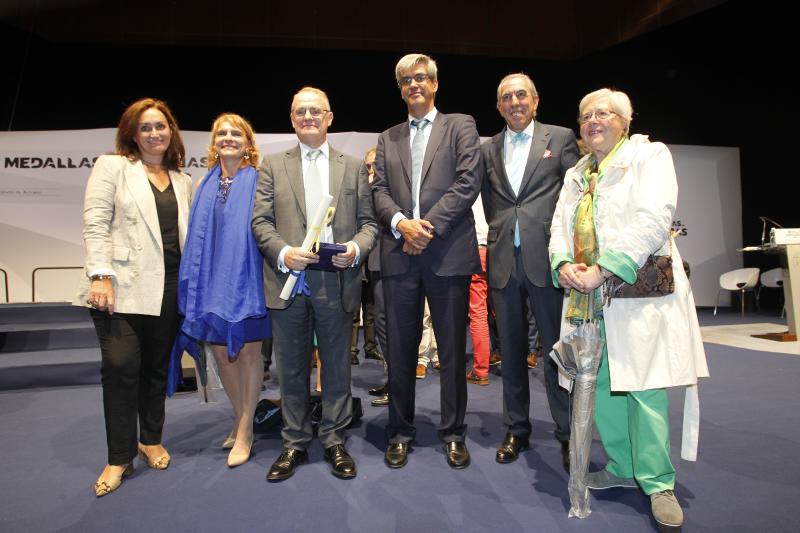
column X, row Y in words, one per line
column 43, row 176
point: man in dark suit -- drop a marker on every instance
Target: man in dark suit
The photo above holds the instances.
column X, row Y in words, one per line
column 427, row 176
column 289, row 189
column 525, row 166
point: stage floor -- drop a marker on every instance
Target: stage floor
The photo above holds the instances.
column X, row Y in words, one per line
column 745, row 479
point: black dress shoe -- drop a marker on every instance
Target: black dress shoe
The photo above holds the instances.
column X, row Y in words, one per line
column 286, row 463
column 396, row 455
column 457, row 455
column 377, row 391
column 342, row 465
column 381, row 401
column 508, row 452
column 565, row 455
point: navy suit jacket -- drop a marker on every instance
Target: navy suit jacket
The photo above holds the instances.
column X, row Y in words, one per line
column 450, row 182
column 553, row 151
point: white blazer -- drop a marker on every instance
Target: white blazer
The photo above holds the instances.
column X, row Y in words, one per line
column 122, row 234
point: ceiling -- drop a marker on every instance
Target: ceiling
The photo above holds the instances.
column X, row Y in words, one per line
column 550, row 30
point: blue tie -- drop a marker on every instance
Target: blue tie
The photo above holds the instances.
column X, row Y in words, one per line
column 516, row 167
column 417, row 153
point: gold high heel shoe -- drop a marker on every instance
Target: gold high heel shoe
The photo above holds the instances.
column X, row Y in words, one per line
column 158, row 463
column 103, row 487
column 236, row 458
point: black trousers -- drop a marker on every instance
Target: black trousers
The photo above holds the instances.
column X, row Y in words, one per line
column 135, row 357
column 513, row 325
column 448, row 299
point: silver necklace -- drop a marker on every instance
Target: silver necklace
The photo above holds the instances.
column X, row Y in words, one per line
column 224, row 187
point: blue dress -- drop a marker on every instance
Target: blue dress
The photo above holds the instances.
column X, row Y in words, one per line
column 221, row 283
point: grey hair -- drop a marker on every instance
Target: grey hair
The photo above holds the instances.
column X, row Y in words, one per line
column 409, row 61
column 618, row 100
column 522, row 75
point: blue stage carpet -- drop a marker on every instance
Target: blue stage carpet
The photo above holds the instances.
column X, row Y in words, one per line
column 746, row 478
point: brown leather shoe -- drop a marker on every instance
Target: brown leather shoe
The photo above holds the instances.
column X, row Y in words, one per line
column 533, row 360
column 508, row 452
column 475, row 379
column 495, row 359
column 422, row 370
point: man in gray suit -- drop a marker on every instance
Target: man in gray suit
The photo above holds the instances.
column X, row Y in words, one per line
column 289, row 189
column 525, row 166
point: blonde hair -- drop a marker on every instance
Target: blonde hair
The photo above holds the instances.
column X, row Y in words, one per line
column 251, row 155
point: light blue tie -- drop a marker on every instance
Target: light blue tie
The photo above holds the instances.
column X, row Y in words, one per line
column 417, row 154
column 313, row 185
column 516, row 166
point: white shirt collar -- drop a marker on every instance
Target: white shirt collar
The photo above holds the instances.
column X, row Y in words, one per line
column 430, row 116
column 511, row 133
column 324, row 148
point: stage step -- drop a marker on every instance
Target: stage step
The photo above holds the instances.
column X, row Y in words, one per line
column 44, row 326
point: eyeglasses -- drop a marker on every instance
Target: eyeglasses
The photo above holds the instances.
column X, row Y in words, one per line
column 419, row 78
column 315, row 112
column 599, row 114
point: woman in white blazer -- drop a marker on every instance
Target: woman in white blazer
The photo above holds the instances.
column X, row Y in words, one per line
column 135, row 214
column 616, row 209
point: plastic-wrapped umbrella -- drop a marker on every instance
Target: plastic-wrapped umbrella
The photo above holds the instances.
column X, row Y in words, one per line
column 578, row 353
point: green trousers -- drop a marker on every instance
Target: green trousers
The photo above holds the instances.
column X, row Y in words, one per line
column 634, row 429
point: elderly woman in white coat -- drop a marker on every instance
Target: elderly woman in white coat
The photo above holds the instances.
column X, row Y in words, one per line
column 135, row 214
column 616, row 209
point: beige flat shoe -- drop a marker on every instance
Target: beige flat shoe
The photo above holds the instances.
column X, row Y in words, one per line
column 107, row 486
column 158, row 463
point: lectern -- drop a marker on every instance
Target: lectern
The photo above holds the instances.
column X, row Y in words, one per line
column 786, row 243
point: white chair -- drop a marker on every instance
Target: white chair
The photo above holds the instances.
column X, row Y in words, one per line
column 771, row 279
column 741, row 280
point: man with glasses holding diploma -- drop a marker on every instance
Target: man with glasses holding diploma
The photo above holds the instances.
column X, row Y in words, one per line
column 290, row 188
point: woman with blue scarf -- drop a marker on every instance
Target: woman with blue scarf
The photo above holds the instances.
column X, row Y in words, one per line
column 221, row 288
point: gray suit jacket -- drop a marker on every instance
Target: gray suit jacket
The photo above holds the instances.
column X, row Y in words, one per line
column 122, row 233
column 450, row 181
column 279, row 217
column 553, row 151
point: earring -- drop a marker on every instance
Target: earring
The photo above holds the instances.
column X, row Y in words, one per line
column 247, row 154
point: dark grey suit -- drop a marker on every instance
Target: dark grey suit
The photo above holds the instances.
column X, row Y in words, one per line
column 450, row 181
column 279, row 219
column 518, row 273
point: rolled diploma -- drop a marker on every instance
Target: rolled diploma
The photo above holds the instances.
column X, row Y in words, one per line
column 311, row 235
